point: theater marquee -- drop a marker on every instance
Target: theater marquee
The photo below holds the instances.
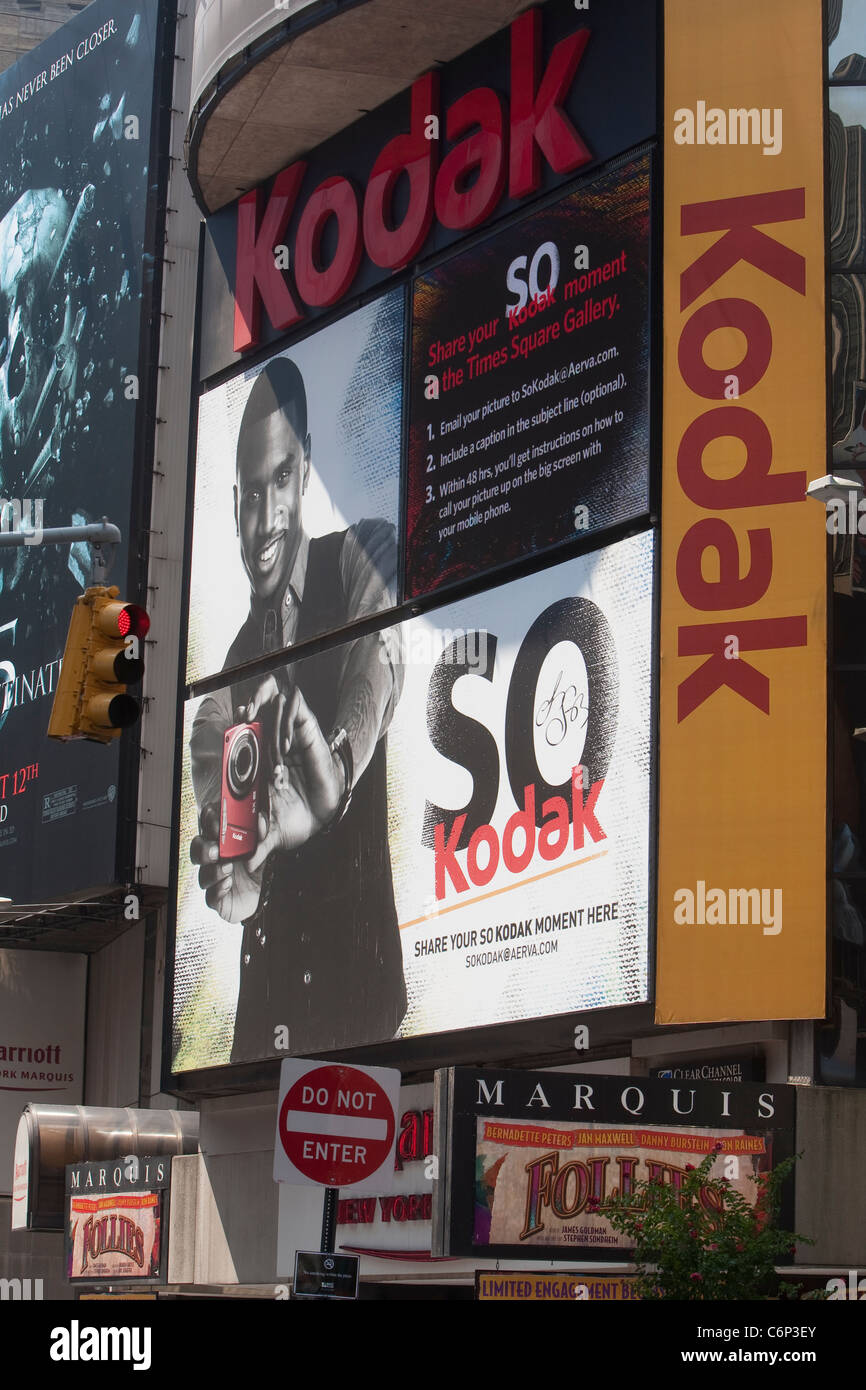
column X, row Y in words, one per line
column 116, row 1223
column 533, row 1158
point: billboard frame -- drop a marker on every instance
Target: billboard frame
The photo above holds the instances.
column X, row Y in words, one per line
column 120, row 834
column 144, row 454
column 544, row 1037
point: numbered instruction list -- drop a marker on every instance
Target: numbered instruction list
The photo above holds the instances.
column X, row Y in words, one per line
column 529, row 395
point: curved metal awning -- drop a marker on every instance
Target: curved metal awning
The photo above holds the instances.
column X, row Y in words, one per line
column 272, row 81
column 51, row 1136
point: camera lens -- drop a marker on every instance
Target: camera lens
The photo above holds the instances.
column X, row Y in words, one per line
column 242, row 763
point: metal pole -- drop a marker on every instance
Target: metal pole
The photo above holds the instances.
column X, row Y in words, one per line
column 329, row 1219
column 99, row 531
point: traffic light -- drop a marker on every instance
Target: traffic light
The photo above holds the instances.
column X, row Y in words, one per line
column 103, row 655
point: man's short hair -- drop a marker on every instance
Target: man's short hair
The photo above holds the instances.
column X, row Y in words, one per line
column 279, row 386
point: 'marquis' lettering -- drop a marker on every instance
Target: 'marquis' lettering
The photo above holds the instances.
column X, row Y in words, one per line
column 495, row 147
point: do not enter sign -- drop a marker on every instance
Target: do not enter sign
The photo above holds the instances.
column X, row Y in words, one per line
column 336, row 1125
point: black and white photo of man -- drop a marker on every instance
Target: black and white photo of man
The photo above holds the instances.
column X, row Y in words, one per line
column 321, row 953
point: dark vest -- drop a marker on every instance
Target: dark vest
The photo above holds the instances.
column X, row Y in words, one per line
column 322, row 956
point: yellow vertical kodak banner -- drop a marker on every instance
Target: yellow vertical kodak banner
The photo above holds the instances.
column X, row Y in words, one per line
column 741, row 882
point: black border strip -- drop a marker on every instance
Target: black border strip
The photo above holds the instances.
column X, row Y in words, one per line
column 167, row 1040
column 150, row 321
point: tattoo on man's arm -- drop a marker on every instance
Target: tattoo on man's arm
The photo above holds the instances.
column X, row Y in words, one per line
column 362, row 716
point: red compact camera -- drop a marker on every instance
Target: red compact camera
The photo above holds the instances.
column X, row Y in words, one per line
column 239, row 801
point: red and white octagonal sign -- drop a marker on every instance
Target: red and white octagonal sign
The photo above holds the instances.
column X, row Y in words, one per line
column 336, row 1125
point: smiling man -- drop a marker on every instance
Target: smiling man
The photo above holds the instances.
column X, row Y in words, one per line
column 321, row 954
column 273, row 469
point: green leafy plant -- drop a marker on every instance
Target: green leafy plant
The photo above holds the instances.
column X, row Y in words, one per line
column 703, row 1239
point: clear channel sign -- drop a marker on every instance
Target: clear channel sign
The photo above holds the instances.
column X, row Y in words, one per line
column 336, row 1125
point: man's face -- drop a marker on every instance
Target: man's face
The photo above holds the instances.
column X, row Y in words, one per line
column 273, row 467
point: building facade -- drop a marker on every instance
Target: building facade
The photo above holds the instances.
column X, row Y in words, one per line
column 503, row 704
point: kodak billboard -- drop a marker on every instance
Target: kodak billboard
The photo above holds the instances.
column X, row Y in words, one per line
column 741, row 882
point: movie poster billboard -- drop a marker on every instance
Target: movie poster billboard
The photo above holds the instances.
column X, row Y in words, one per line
column 303, row 447
column 490, row 863
column 529, row 421
column 535, row 1158
column 741, row 908
column 116, row 1220
column 76, row 193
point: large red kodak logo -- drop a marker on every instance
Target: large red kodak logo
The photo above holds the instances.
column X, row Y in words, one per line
column 739, row 221
column 462, row 192
column 556, row 830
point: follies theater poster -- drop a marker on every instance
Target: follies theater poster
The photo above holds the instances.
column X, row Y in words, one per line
column 115, row 1237
column 547, row 1185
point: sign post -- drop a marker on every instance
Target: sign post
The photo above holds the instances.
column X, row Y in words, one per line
column 329, row 1218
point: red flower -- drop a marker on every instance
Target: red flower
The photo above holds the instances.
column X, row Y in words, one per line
column 592, row 1203
column 638, row 1225
column 740, row 1246
column 696, row 1276
column 713, row 1247
column 690, row 1167
column 719, row 1146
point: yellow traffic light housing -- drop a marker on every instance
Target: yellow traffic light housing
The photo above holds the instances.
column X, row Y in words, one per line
column 103, row 655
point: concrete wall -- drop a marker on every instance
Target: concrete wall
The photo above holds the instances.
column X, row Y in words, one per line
column 113, row 1051
column 125, row 1004
column 28, row 1255
column 224, row 1201
column 19, row 31
column 830, row 1203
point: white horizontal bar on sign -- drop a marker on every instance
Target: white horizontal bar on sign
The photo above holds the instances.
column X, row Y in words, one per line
column 350, row 1126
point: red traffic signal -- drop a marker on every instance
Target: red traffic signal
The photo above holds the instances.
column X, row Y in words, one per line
column 132, row 621
column 104, row 654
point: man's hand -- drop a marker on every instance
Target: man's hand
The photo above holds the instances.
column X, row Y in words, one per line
column 231, row 886
column 308, row 780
